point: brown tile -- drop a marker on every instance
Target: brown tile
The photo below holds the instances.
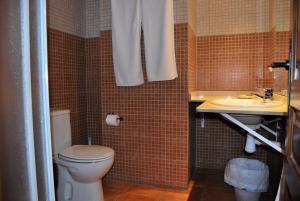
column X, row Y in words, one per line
column 239, row 61
column 93, row 88
column 220, row 141
column 150, row 147
column 192, row 59
column 66, row 70
column 173, row 196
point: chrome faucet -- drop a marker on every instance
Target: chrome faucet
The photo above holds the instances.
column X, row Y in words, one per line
column 263, row 93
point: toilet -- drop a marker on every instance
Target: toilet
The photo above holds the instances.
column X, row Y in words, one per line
column 80, row 167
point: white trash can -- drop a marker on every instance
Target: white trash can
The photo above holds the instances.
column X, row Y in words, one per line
column 248, row 177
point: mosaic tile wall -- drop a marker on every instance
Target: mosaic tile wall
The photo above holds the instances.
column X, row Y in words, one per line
column 192, row 139
column 281, row 10
column 93, row 88
column 217, row 17
column 279, row 51
column 73, row 40
column 67, row 16
column 234, row 43
column 92, row 18
column 151, row 144
column 279, row 38
column 233, row 62
column 76, row 17
column 67, row 79
column 220, row 141
column 74, row 82
column 192, row 14
column 192, row 42
column 147, row 150
column 192, row 59
column 241, row 57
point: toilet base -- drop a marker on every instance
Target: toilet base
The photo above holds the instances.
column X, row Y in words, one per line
column 242, row 195
column 69, row 189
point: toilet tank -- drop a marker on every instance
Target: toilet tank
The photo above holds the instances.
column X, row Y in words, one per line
column 60, row 130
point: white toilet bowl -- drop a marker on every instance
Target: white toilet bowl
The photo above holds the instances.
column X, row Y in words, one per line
column 80, row 167
column 80, row 170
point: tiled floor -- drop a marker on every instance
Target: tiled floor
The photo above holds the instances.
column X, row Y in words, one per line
column 116, row 191
column 208, row 185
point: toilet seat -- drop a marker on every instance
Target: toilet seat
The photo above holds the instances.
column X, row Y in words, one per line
column 86, row 153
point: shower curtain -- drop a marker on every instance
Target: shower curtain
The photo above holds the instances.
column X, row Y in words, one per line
column 25, row 139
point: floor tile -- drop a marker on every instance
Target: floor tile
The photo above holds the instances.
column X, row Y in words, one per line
column 116, row 186
column 134, row 197
column 143, row 190
column 207, row 185
column 111, row 195
column 210, row 179
column 173, row 196
column 215, row 194
column 196, row 194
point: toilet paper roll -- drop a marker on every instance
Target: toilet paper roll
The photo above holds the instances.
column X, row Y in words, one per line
column 112, row 120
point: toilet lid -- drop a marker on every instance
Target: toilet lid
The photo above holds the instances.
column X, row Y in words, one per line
column 87, row 153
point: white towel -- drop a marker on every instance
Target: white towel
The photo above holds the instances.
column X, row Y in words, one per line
column 156, row 17
column 158, row 26
column 126, row 37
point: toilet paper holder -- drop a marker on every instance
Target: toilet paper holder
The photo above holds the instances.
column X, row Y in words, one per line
column 120, row 118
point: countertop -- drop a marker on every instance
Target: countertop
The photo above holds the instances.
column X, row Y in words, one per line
column 205, row 97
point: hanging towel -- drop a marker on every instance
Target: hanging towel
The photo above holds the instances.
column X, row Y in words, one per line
column 158, row 27
column 126, row 38
column 156, row 17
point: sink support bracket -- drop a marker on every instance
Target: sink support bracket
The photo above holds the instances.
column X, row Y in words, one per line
column 269, row 130
column 253, row 132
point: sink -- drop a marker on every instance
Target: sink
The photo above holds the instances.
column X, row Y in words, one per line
column 246, row 103
column 248, row 119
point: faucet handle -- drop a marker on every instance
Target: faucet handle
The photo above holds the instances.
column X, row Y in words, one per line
column 268, row 92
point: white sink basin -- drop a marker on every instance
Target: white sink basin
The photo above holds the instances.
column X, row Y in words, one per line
column 248, row 119
column 246, row 103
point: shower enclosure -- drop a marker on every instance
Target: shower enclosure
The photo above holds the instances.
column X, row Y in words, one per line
column 26, row 159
